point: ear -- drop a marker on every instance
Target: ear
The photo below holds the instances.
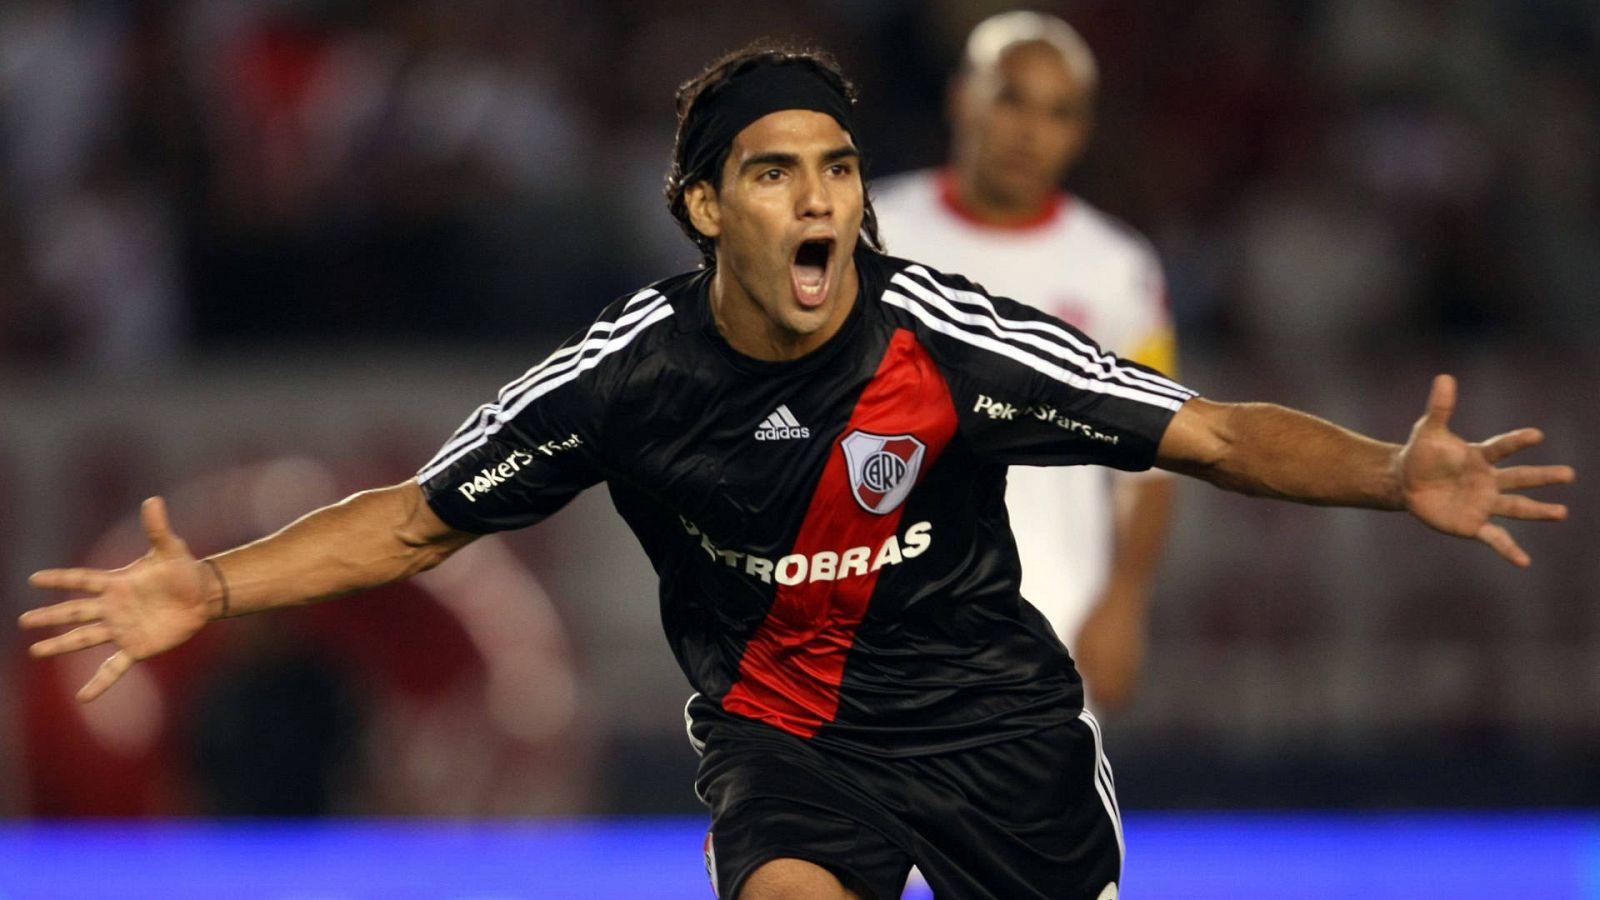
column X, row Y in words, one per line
column 705, row 209
column 955, row 98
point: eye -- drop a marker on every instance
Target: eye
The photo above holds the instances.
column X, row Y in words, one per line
column 841, row 169
column 770, row 175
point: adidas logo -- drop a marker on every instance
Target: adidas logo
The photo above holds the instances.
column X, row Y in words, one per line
column 781, row 426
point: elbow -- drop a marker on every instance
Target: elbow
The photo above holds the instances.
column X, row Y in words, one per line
column 1200, row 441
column 421, row 540
column 423, row 549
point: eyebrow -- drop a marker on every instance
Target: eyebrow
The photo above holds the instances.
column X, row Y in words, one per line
column 775, row 158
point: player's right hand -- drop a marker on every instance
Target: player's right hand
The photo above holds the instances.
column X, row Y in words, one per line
column 144, row 608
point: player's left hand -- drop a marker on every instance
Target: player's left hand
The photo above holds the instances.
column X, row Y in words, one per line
column 1110, row 647
column 1457, row 487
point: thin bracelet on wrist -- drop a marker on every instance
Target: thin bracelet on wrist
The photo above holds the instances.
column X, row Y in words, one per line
column 217, row 570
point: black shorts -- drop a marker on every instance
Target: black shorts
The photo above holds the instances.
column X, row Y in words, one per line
column 1034, row 817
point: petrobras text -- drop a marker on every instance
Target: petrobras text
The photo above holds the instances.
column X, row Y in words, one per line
column 824, row 565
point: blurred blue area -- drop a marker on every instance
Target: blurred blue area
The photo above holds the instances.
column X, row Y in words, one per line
column 1197, row 857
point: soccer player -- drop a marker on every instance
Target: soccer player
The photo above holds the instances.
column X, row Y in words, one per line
column 1021, row 107
column 810, row 439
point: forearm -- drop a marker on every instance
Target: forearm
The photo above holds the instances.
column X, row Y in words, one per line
column 366, row 540
column 1142, row 520
column 1266, row 450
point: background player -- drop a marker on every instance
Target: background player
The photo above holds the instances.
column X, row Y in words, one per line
column 1021, row 110
column 664, row 397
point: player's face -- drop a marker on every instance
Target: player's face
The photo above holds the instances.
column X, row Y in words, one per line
column 1019, row 125
column 785, row 220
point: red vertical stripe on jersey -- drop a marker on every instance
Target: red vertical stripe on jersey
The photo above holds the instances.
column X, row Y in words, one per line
column 792, row 666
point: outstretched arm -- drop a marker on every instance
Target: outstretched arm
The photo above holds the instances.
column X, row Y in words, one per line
column 1453, row 486
column 160, row 600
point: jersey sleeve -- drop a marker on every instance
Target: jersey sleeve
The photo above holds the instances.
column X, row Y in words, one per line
column 1030, row 389
column 524, row 455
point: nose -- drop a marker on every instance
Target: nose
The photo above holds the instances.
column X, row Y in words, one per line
column 815, row 201
column 1035, row 125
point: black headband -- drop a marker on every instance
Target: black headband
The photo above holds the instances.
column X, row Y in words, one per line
column 753, row 93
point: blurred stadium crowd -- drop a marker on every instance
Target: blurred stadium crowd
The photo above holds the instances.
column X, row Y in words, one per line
column 1347, row 194
column 1314, row 172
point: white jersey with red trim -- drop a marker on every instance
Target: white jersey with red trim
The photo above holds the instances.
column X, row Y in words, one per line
column 1086, row 268
column 829, row 532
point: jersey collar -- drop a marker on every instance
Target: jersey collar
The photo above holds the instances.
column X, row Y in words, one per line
column 950, row 199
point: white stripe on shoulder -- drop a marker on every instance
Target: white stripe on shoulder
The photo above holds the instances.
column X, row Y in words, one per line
column 923, row 312
column 559, row 362
column 601, row 326
column 602, row 340
column 597, row 336
column 1093, row 361
column 508, row 393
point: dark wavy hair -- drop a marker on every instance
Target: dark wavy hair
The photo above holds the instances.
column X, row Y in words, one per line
column 712, row 81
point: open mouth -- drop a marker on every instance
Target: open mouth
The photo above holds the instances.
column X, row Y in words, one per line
column 810, row 271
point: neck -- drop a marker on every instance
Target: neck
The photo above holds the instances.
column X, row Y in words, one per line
column 750, row 328
column 965, row 192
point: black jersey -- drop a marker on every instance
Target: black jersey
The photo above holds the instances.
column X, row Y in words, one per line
column 830, row 532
